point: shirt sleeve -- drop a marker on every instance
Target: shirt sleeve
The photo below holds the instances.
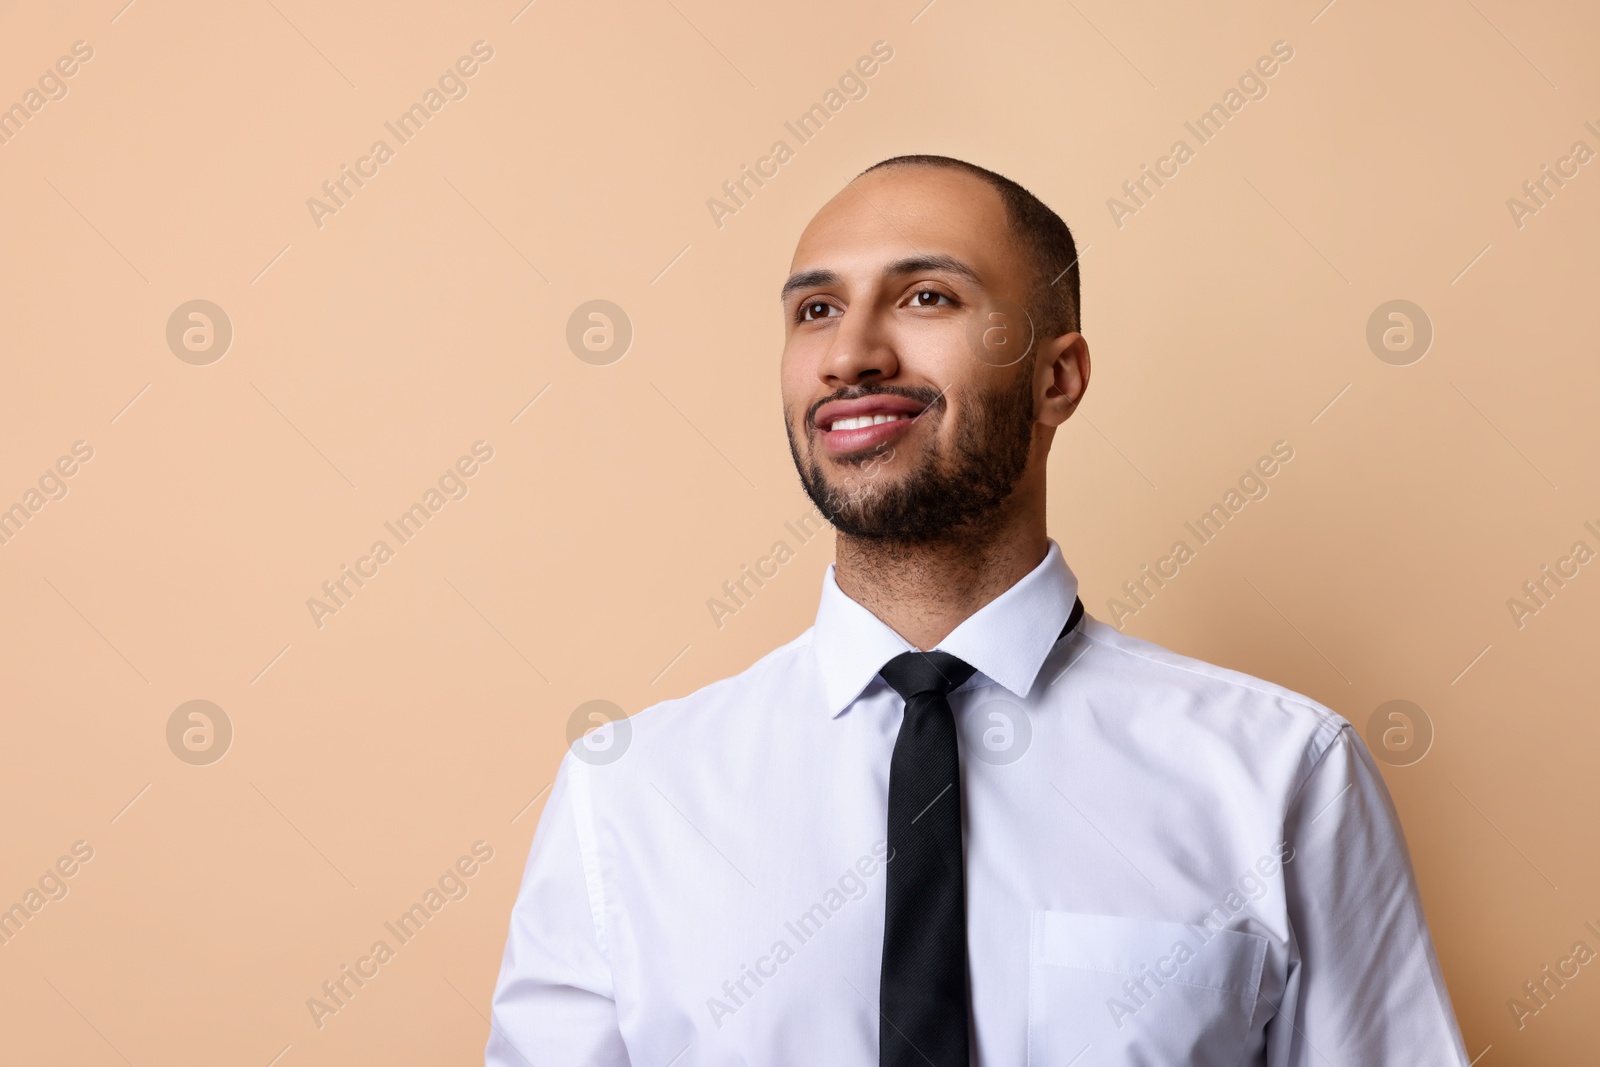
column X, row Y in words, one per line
column 554, row 1003
column 1364, row 985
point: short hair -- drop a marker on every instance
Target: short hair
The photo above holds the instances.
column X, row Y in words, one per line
column 1053, row 299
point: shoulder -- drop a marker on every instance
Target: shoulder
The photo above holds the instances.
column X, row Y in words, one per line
column 719, row 730
column 1216, row 697
column 777, row 671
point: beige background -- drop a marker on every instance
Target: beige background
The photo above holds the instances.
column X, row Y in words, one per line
column 368, row 354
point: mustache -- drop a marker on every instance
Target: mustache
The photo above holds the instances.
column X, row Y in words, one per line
column 925, row 395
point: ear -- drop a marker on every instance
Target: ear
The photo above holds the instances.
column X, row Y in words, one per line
column 1062, row 376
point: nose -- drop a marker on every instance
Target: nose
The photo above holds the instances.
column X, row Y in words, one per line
column 861, row 350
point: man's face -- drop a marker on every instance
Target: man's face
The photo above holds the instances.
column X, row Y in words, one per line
column 908, row 400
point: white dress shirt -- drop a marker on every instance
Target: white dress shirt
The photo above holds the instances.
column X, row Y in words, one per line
column 1167, row 863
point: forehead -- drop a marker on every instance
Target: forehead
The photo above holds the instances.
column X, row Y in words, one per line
column 897, row 212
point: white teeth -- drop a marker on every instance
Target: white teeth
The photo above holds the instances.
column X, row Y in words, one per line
column 864, row 420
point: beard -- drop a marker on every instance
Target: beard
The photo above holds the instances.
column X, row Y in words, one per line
column 949, row 492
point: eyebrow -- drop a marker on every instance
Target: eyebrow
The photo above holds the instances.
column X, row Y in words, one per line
column 910, row 265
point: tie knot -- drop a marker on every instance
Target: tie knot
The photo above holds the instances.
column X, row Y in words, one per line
column 914, row 673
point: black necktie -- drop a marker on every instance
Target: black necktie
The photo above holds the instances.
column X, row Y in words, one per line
column 923, row 990
column 922, row 993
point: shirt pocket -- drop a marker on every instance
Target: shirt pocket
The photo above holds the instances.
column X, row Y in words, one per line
column 1108, row 990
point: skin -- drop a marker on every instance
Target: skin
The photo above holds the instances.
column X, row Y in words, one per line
column 869, row 323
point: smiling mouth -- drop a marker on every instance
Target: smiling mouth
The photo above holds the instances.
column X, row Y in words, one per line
column 870, row 429
column 874, row 409
column 866, row 420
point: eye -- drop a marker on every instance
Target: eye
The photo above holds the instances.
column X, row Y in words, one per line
column 928, row 298
column 813, row 310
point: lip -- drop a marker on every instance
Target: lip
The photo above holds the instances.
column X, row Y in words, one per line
column 846, row 442
column 877, row 404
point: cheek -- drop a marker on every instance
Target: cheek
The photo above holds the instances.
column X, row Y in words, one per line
column 797, row 373
column 938, row 351
column 790, row 366
column 792, row 392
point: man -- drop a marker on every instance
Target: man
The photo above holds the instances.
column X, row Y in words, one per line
column 959, row 820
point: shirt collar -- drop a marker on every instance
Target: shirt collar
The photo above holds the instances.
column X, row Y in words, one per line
column 1007, row 639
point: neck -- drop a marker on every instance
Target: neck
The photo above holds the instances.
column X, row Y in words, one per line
column 925, row 589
